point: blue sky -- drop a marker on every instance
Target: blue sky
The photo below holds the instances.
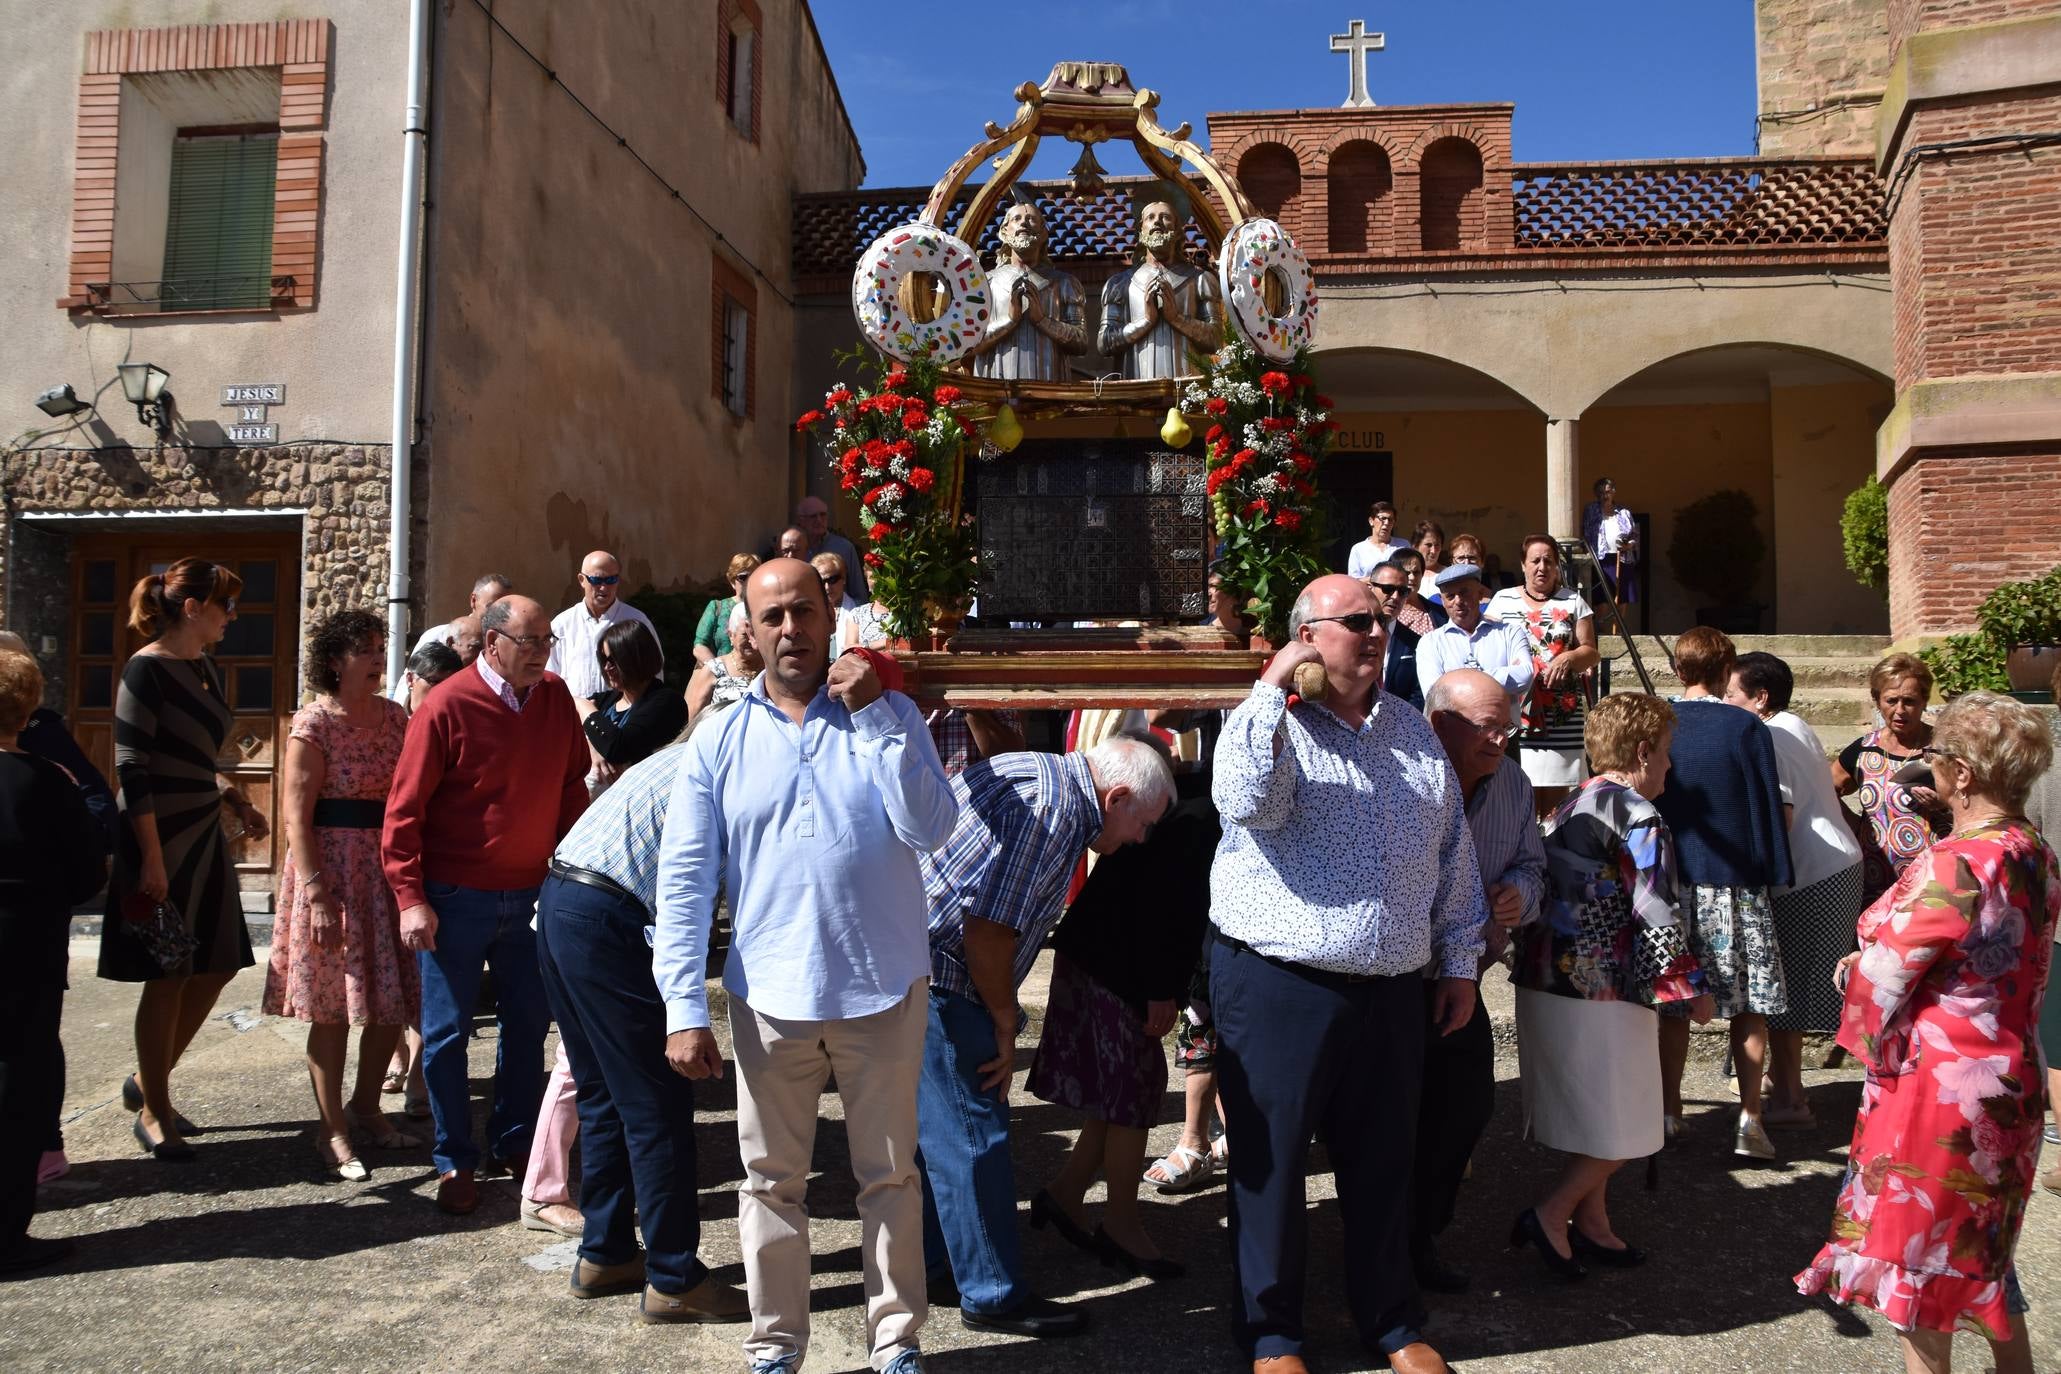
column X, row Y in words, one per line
column 1592, row 79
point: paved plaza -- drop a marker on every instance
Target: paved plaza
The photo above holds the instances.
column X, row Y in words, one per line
column 248, row 1259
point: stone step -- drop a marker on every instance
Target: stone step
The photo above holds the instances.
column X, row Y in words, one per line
column 1809, row 672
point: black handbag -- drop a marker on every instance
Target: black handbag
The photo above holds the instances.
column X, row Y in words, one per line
column 160, row 929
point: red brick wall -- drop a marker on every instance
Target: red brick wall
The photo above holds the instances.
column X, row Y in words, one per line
column 1361, row 190
column 1450, row 196
column 1958, row 526
column 1273, row 179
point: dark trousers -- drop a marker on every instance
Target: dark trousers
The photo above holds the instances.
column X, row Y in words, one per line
column 477, row 928
column 31, row 1060
column 636, row 1114
column 1301, row 1052
column 1458, row 1099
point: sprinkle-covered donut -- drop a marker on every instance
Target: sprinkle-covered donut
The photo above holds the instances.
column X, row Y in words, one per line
column 1254, row 249
column 877, row 294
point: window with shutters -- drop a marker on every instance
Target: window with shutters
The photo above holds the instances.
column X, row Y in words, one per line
column 218, row 234
column 733, row 314
column 738, row 70
column 736, row 348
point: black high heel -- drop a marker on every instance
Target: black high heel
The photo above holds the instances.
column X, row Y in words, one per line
column 1631, row 1257
column 1159, row 1269
column 172, row 1150
column 1045, row 1211
column 1527, row 1230
column 132, row 1098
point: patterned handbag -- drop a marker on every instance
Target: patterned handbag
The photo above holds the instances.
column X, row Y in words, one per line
column 159, row 928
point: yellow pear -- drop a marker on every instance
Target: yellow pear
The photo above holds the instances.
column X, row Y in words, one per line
column 1175, row 431
column 1003, row 431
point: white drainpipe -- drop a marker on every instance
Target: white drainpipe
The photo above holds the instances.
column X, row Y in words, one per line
column 400, row 501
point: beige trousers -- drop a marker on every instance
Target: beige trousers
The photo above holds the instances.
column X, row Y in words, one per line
column 782, row 1067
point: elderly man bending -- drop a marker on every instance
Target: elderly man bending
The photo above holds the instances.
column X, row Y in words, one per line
column 1345, row 868
column 1470, row 713
column 808, row 802
column 996, row 889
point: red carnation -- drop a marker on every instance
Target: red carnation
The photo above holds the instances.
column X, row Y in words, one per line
column 1243, row 458
column 895, row 380
column 1216, row 432
column 1321, row 402
column 1301, row 380
column 1303, row 462
column 948, row 395
column 806, row 419
column 1274, row 383
column 966, row 426
column 1216, row 478
column 874, row 560
column 1258, row 508
column 840, row 396
column 878, row 533
column 1216, row 405
column 921, row 478
column 1288, row 520
column 915, row 417
column 850, row 482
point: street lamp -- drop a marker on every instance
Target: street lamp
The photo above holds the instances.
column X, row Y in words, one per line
column 144, row 386
column 61, row 401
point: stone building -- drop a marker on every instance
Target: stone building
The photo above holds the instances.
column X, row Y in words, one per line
column 226, row 206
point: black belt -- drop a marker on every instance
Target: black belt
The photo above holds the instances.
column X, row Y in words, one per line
column 350, row 813
column 1324, row 975
column 600, row 882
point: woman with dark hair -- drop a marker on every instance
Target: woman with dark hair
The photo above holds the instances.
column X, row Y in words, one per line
column 431, row 663
column 1941, row 1005
column 1815, row 914
column 172, row 882
column 637, row 714
column 1724, row 808
column 51, row 852
column 1902, row 820
column 1561, row 627
column 1429, row 539
column 1420, row 615
column 336, row 959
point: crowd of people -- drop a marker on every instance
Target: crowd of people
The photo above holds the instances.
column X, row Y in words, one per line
column 1306, row 895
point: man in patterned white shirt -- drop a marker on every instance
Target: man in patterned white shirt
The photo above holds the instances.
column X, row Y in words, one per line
column 579, row 627
column 1345, row 868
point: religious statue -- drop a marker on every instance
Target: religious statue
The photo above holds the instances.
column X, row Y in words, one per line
column 1153, row 314
column 1038, row 309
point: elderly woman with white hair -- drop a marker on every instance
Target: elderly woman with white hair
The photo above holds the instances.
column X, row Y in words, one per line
column 1942, row 1009
column 722, row 682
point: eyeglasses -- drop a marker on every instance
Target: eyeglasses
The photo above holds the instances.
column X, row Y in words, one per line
column 833, row 577
column 1498, row 733
column 526, row 643
column 229, row 605
column 608, row 581
column 1386, row 588
column 1359, row 622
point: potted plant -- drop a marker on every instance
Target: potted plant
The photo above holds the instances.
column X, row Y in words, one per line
column 1716, row 552
column 2024, row 619
column 1864, row 533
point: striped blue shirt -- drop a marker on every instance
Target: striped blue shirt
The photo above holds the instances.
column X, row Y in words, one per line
column 1024, row 821
column 1507, row 846
column 617, row 836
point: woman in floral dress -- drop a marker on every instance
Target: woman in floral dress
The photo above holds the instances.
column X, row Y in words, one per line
column 1942, row 1006
column 1901, row 821
column 336, row 949
column 1562, row 630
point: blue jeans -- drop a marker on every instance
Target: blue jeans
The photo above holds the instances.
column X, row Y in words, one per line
column 962, row 1134
column 636, row 1114
column 476, row 928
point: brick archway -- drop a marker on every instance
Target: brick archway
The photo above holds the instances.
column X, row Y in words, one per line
column 1272, row 177
column 1359, row 182
column 1451, row 195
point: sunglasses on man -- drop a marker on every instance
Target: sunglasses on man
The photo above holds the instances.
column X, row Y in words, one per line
column 1359, row 622
column 1384, row 589
column 596, row 580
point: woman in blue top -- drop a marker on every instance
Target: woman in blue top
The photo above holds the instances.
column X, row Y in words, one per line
column 1724, row 807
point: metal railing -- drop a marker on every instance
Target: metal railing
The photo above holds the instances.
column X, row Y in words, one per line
column 251, row 292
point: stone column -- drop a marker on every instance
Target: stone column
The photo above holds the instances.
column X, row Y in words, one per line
column 1973, row 446
column 1563, row 476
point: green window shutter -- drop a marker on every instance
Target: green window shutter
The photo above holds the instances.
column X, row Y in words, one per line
column 218, row 240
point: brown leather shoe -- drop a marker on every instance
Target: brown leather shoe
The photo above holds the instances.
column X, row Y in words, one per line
column 457, row 1193
column 590, row 1280
column 707, row 1301
column 1280, row 1364
column 1417, row 1358
column 2051, row 1179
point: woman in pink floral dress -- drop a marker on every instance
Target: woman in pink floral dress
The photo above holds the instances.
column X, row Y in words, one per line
column 337, row 960
column 1942, row 1008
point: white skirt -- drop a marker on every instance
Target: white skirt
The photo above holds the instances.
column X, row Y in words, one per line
column 1547, row 767
column 1591, row 1075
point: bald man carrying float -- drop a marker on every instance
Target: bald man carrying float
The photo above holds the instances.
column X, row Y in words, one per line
column 579, row 627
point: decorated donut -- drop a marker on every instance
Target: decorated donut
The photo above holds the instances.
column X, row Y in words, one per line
column 1256, row 248
column 877, row 294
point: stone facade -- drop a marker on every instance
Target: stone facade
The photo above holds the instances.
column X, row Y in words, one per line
column 342, row 490
column 1822, row 65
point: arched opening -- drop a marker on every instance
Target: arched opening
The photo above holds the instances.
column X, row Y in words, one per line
column 1362, row 212
column 1794, row 431
column 1273, row 179
column 1450, row 191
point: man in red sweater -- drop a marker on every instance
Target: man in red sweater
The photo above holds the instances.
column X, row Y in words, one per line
column 492, row 776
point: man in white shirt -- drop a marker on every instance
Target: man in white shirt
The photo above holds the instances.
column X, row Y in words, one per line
column 579, row 627
column 1468, row 641
column 1371, row 552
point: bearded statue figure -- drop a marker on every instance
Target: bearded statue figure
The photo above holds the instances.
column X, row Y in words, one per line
column 1037, row 320
column 1156, row 313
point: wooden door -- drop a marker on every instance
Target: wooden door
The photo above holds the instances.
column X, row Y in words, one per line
column 258, row 658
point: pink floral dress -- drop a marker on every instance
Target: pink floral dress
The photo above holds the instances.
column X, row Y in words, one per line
column 367, row 978
column 1943, row 1010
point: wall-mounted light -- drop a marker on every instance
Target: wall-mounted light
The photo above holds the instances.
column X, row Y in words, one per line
column 143, row 384
column 60, row 401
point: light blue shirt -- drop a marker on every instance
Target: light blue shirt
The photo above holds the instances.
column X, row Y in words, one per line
column 813, row 831
column 1502, row 651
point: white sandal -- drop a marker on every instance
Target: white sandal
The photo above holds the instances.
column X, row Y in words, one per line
column 1185, row 1168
